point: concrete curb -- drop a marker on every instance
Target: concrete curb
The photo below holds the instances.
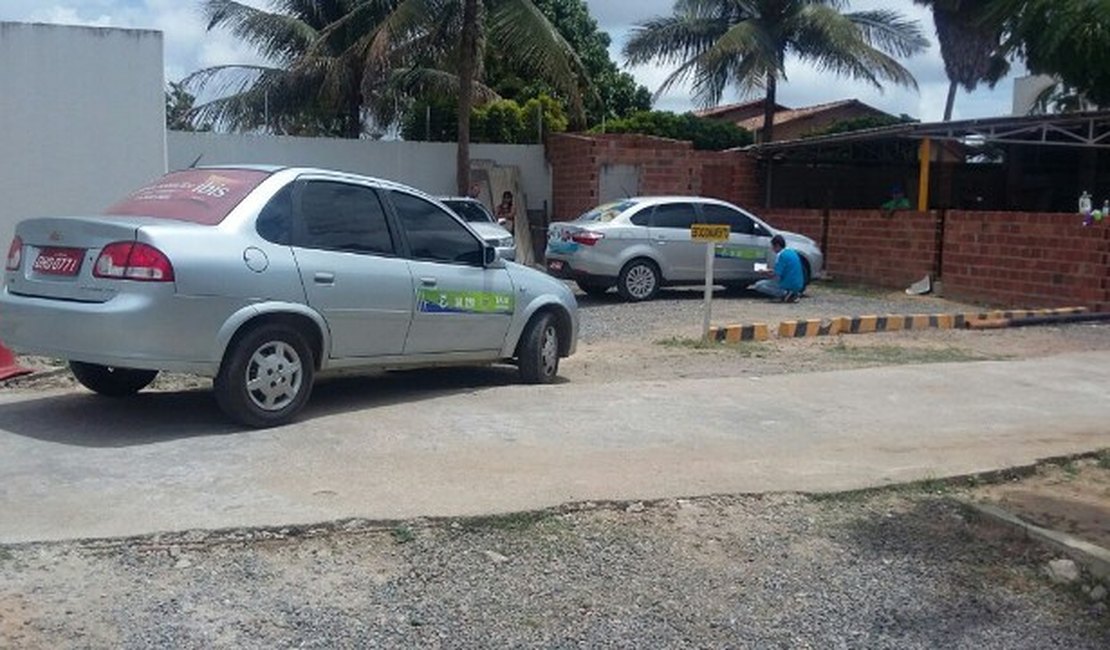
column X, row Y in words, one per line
column 871, row 324
column 738, row 333
column 1095, row 558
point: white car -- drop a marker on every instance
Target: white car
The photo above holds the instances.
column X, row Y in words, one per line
column 478, row 216
column 261, row 276
column 641, row 244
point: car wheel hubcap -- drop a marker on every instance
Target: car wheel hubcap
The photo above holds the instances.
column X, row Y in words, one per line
column 274, row 376
column 549, row 352
column 640, row 281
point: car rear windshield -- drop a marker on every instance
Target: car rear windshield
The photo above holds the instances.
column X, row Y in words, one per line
column 204, row 196
column 607, row 212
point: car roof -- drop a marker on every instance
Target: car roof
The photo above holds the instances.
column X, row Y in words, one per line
column 329, row 173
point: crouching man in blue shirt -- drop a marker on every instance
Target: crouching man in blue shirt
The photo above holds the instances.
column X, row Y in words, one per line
column 789, row 279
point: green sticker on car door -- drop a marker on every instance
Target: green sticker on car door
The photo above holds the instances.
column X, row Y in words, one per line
column 754, row 253
column 436, row 301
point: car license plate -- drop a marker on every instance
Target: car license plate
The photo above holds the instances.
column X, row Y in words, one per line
column 555, row 265
column 58, row 261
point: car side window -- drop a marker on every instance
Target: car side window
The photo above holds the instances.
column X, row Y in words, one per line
column 674, row 215
column 738, row 222
column 433, row 234
column 343, row 217
column 275, row 221
column 642, row 218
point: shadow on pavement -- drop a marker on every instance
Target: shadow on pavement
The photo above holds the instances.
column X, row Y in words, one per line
column 87, row 420
column 683, row 294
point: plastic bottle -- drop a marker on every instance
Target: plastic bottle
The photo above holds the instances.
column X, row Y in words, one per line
column 1084, row 202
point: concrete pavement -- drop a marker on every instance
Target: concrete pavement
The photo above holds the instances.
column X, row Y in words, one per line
column 73, row 465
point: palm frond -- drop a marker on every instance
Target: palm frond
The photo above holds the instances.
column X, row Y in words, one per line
column 833, row 42
column 672, row 39
column 276, row 36
column 519, row 28
column 886, row 30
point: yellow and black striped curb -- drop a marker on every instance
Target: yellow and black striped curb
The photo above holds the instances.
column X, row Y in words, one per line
column 875, row 323
column 738, row 333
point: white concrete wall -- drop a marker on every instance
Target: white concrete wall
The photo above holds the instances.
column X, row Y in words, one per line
column 429, row 166
column 82, row 118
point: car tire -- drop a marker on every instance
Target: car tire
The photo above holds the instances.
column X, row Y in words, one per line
column 538, row 351
column 111, row 381
column 266, row 376
column 639, row 280
column 593, row 290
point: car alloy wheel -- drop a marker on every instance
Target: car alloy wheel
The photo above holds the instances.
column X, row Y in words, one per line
column 639, row 281
column 274, row 376
column 538, row 351
column 266, row 376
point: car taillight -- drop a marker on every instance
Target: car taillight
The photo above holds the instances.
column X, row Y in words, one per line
column 587, row 237
column 15, row 254
column 127, row 260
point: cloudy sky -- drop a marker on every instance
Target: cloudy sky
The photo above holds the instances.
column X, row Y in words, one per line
column 189, row 47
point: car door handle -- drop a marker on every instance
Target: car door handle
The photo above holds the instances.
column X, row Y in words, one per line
column 324, row 278
column 428, row 282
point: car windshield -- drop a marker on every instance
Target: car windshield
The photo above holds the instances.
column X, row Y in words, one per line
column 470, row 211
column 606, row 212
column 204, row 196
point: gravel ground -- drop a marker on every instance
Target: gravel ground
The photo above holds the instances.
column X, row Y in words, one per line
column 894, row 570
column 902, row 569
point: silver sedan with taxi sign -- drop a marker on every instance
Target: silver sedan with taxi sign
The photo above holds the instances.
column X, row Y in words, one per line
column 641, row 244
column 261, row 277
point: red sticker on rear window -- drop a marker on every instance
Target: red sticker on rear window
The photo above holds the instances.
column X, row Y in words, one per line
column 204, row 196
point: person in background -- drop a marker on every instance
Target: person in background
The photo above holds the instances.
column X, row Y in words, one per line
column 897, row 201
column 788, row 279
column 506, row 212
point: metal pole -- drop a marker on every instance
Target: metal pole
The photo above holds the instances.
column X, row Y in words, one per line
column 709, row 251
column 428, row 123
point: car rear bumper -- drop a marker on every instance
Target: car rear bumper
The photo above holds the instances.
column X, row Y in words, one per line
column 149, row 328
column 566, row 270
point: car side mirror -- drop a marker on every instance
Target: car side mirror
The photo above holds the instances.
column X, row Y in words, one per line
column 490, row 257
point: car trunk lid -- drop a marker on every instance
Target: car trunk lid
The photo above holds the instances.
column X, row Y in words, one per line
column 59, row 254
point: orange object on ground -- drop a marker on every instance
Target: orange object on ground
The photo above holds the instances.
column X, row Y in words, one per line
column 8, row 367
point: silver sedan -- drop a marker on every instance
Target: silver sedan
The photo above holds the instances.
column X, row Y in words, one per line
column 261, row 276
column 641, row 244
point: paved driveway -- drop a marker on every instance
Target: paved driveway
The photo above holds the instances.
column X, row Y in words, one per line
column 466, row 442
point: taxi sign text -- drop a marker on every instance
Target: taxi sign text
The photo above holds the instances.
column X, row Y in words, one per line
column 709, row 232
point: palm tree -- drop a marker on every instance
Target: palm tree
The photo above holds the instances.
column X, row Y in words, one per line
column 970, row 44
column 316, row 80
column 452, row 37
column 718, row 43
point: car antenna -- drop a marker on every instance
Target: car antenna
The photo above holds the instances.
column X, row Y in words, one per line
column 195, row 161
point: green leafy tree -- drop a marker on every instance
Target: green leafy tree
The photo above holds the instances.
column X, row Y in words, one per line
column 179, row 109
column 971, row 45
column 502, row 121
column 322, row 77
column 454, row 36
column 707, row 135
column 612, row 93
column 1066, row 39
column 720, row 43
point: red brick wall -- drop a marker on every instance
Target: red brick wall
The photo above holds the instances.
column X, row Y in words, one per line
column 804, row 222
column 667, row 167
column 1027, row 259
column 574, row 174
column 874, row 247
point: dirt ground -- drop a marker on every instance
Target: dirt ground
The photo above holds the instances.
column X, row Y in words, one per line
column 1071, row 497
